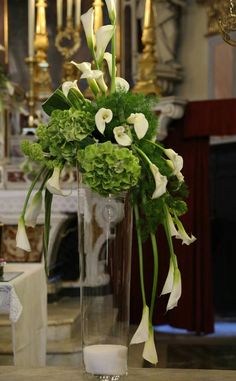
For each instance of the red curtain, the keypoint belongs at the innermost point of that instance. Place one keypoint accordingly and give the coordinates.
(190, 138)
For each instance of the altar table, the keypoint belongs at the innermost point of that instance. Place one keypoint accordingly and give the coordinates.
(29, 331)
(8, 373)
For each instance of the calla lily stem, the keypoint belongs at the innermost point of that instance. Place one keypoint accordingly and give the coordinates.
(168, 235)
(31, 189)
(113, 72)
(140, 251)
(155, 275)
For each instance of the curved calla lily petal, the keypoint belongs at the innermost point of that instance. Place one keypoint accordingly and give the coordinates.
(182, 234)
(87, 20)
(111, 7)
(140, 124)
(121, 137)
(149, 351)
(176, 290)
(171, 225)
(108, 58)
(98, 76)
(66, 86)
(102, 117)
(121, 85)
(142, 332)
(168, 286)
(21, 237)
(34, 209)
(53, 184)
(176, 163)
(160, 181)
(83, 66)
(103, 37)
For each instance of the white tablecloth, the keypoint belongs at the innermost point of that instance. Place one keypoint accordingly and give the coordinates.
(28, 290)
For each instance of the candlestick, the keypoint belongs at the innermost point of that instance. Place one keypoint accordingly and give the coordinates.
(59, 13)
(77, 13)
(31, 22)
(69, 8)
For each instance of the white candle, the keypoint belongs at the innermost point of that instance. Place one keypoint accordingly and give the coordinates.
(59, 13)
(31, 23)
(69, 8)
(106, 359)
(77, 13)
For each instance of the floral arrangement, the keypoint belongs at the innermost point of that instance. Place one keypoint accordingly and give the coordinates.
(112, 138)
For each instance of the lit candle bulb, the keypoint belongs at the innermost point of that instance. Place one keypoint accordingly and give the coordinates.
(69, 8)
(77, 13)
(59, 13)
(31, 24)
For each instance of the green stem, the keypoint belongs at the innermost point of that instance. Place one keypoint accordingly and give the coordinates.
(48, 204)
(155, 275)
(167, 231)
(155, 144)
(31, 189)
(140, 252)
(113, 68)
(142, 154)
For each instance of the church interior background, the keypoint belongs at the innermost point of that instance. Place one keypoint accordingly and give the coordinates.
(190, 64)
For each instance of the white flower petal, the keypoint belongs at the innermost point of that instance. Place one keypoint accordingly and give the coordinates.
(182, 234)
(149, 351)
(121, 85)
(142, 332)
(34, 209)
(140, 124)
(168, 286)
(66, 86)
(103, 37)
(21, 237)
(103, 116)
(171, 225)
(111, 7)
(108, 57)
(121, 137)
(53, 184)
(160, 181)
(83, 66)
(87, 20)
(176, 163)
(176, 290)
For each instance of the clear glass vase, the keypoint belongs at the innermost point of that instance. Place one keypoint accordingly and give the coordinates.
(105, 238)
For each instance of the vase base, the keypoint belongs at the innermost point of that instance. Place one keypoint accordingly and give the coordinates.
(103, 377)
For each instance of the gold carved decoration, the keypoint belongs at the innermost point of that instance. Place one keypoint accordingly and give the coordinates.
(147, 72)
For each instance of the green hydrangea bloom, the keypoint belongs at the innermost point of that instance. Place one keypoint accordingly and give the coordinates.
(108, 168)
(32, 150)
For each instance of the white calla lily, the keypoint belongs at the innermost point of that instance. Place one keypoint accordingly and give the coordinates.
(182, 234)
(121, 85)
(87, 20)
(176, 290)
(88, 73)
(121, 137)
(83, 66)
(111, 7)
(160, 181)
(102, 117)
(22, 241)
(98, 76)
(66, 86)
(140, 124)
(171, 225)
(53, 183)
(34, 209)
(103, 37)
(108, 58)
(142, 332)
(176, 162)
(168, 286)
(149, 351)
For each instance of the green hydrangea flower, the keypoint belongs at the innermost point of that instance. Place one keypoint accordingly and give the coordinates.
(108, 168)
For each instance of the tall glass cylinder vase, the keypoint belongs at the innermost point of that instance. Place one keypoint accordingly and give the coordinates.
(105, 239)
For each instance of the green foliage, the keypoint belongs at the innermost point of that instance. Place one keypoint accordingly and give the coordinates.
(108, 168)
